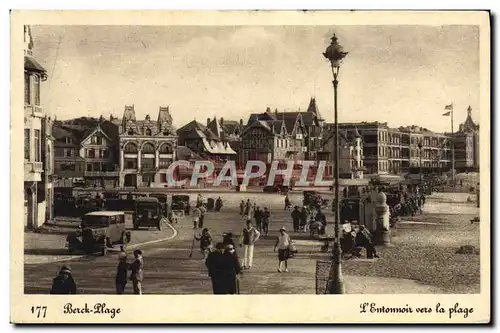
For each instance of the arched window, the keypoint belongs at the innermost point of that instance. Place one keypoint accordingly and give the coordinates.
(166, 148)
(130, 131)
(148, 148)
(148, 132)
(130, 147)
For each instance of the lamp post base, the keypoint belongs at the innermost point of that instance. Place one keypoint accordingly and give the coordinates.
(337, 287)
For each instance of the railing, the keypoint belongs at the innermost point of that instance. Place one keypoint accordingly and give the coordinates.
(34, 110)
(101, 173)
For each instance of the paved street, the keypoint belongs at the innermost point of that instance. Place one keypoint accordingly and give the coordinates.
(406, 267)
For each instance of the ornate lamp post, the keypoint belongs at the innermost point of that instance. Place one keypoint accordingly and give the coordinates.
(420, 160)
(335, 53)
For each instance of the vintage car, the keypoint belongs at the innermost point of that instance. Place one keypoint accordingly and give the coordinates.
(276, 189)
(180, 203)
(148, 213)
(98, 232)
(163, 200)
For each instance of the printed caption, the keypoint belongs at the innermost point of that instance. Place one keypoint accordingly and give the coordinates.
(451, 312)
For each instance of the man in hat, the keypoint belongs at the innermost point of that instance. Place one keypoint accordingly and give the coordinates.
(137, 272)
(232, 269)
(214, 263)
(249, 236)
(265, 217)
(283, 243)
(63, 283)
(121, 273)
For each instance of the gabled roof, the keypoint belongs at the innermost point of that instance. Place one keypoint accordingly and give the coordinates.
(184, 153)
(192, 125)
(91, 132)
(215, 127)
(313, 108)
(30, 64)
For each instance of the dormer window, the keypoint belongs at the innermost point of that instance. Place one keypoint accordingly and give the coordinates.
(69, 140)
(130, 131)
(148, 132)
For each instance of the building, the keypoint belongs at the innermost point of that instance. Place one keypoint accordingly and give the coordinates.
(270, 137)
(350, 154)
(389, 150)
(467, 144)
(38, 191)
(212, 142)
(146, 148)
(86, 153)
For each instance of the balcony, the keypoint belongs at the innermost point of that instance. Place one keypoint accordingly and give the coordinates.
(34, 110)
(34, 167)
(101, 174)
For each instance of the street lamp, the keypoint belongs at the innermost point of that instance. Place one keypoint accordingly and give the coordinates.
(335, 53)
(420, 160)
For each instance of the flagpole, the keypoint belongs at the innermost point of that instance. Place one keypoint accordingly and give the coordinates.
(452, 149)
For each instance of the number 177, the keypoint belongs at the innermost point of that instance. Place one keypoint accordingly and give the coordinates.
(39, 311)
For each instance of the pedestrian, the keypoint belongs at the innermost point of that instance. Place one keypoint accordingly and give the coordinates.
(137, 273)
(249, 236)
(282, 243)
(218, 204)
(287, 202)
(196, 217)
(242, 207)
(203, 210)
(233, 270)
(303, 218)
(227, 239)
(199, 200)
(205, 240)
(121, 273)
(248, 207)
(63, 283)
(266, 219)
(258, 218)
(296, 215)
(365, 239)
(214, 263)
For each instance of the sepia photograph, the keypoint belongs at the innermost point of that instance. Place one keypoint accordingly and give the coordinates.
(296, 155)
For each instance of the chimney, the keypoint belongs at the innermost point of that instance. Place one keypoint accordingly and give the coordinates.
(221, 121)
(208, 121)
(111, 117)
(241, 122)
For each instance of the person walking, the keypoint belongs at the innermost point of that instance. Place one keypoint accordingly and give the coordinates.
(137, 273)
(233, 270)
(283, 244)
(63, 283)
(265, 219)
(296, 216)
(205, 240)
(203, 210)
(242, 208)
(258, 218)
(196, 217)
(248, 207)
(288, 204)
(215, 263)
(249, 236)
(303, 218)
(121, 273)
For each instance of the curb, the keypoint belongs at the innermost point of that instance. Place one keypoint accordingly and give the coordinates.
(128, 247)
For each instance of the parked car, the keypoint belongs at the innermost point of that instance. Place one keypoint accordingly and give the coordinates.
(148, 213)
(98, 232)
(180, 203)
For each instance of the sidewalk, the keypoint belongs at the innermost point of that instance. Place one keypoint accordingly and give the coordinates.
(49, 245)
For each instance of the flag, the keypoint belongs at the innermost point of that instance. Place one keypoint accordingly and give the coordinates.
(447, 113)
(449, 107)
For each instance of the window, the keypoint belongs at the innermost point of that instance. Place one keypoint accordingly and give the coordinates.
(27, 90)
(38, 146)
(112, 220)
(69, 140)
(131, 148)
(148, 163)
(166, 149)
(36, 89)
(130, 131)
(164, 163)
(89, 167)
(91, 153)
(27, 144)
(148, 148)
(130, 163)
(68, 152)
(98, 139)
(148, 132)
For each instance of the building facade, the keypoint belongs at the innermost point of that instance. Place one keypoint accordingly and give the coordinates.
(38, 191)
(351, 164)
(86, 153)
(146, 148)
(467, 144)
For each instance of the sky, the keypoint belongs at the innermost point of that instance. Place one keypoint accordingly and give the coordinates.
(404, 75)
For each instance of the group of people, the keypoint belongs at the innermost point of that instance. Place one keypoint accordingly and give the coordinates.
(64, 283)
